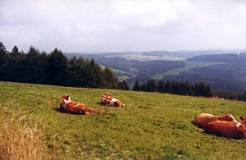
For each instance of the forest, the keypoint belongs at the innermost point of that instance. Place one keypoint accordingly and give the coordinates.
(55, 69)
(175, 87)
(229, 75)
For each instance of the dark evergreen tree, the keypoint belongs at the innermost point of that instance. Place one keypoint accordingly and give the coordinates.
(151, 86)
(202, 89)
(3, 50)
(209, 92)
(16, 65)
(3, 62)
(32, 71)
(243, 96)
(57, 68)
(161, 86)
(110, 78)
(173, 87)
(136, 86)
(189, 89)
(99, 78)
(76, 69)
(167, 87)
(93, 74)
(15, 51)
(143, 87)
(123, 85)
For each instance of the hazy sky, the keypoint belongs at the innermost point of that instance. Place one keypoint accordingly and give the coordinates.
(120, 25)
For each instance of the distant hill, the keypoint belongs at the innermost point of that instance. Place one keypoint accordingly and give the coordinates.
(223, 70)
(228, 76)
(159, 53)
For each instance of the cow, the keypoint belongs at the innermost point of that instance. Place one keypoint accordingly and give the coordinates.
(203, 119)
(73, 107)
(236, 130)
(107, 100)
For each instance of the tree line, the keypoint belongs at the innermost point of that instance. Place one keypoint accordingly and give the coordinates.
(185, 88)
(174, 87)
(55, 69)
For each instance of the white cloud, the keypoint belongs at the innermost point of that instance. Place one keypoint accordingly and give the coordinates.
(106, 25)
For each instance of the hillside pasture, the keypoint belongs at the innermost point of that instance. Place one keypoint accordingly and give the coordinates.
(143, 57)
(150, 126)
(188, 65)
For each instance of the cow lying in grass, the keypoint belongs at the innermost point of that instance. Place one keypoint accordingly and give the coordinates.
(73, 107)
(203, 119)
(227, 129)
(107, 100)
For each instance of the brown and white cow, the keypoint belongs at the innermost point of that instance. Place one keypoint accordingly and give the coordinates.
(203, 119)
(107, 100)
(73, 107)
(234, 130)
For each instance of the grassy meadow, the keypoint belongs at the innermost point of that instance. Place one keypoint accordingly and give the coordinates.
(149, 126)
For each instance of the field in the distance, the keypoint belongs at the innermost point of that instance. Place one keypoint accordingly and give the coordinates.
(141, 57)
(150, 126)
(188, 66)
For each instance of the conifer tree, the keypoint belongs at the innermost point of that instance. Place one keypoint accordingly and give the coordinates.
(110, 78)
(124, 85)
(3, 62)
(161, 86)
(94, 75)
(151, 86)
(136, 86)
(57, 68)
(168, 87)
(76, 72)
(16, 67)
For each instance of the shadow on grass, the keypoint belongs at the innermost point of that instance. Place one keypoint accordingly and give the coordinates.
(58, 110)
(194, 123)
(89, 112)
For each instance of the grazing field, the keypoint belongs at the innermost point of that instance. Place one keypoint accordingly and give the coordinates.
(188, 65)
(150, 126)
(141, 57)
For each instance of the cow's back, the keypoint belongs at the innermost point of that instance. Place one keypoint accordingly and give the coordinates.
(203, 119)
(109, 101)
(224, 129)
(75, 108)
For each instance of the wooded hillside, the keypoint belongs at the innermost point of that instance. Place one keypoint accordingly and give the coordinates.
(54, 68)
(229, 76)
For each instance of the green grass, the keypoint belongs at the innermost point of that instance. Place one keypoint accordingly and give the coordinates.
(150, 126)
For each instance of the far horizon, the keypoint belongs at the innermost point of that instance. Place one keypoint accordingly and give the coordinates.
(132, 51)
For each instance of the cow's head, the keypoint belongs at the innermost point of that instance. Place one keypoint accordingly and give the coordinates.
(66, 97)
(243, 120)
(107, 94)
(228, 117)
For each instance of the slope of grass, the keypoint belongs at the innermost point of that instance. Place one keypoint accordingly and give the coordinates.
(150, 126)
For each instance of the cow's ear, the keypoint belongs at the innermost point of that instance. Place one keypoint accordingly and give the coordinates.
(241, 117)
